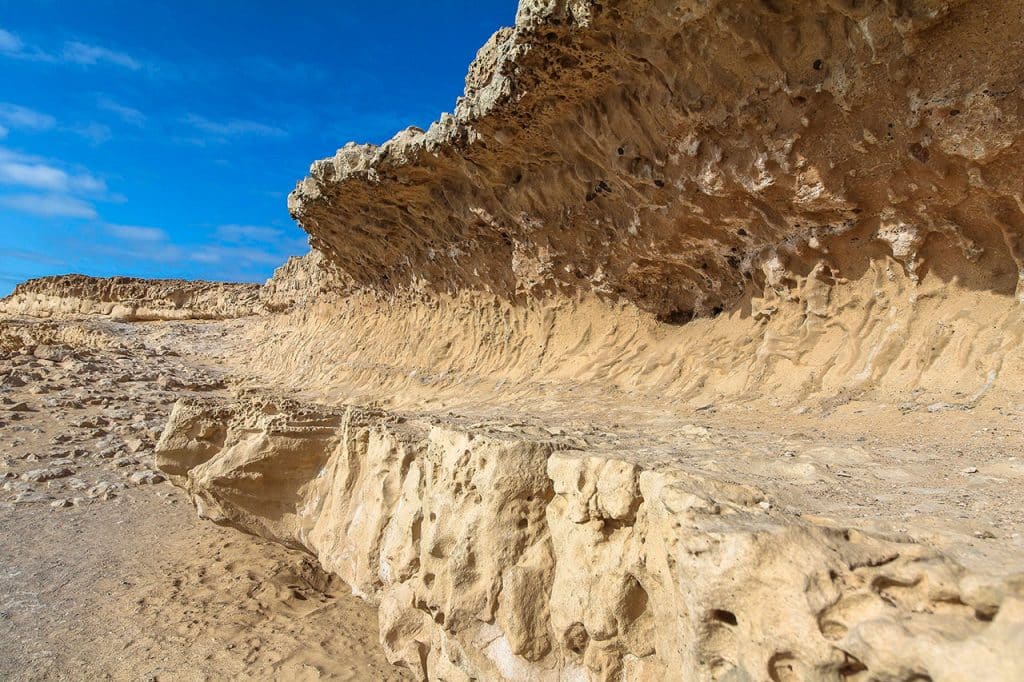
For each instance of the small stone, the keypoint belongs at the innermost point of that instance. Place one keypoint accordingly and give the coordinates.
(104, 490)
(970, 470)
(30, 497)
(42, 475)
(146, 478)
(60, 504)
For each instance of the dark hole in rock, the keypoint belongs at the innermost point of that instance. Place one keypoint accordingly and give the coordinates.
(723, 616)
(919, 152)
(818, 64)
(678, 317)
(577, 638)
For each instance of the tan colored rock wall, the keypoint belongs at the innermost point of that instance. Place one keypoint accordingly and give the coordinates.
(298, 283)
(497, 556)
(129, 299)
(881, 338)
(682, 155)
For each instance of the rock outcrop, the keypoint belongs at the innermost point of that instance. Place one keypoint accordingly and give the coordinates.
(685, 156)
(131, 300)
(499, 556)
(655, 209)
(299, 283)
(815, 200)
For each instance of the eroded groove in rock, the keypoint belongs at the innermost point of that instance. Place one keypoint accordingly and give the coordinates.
(493, 556)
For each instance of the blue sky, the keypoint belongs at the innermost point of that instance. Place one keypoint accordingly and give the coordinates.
(161, 138)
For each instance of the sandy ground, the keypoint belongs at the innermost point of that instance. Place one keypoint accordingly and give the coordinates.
(107, 573)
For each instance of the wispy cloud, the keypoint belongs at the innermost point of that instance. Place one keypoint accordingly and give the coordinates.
(233, 128)
(248, 233)
(73, 52)
(208, 260)
(19, 117)
(90, 55)
(135, 233)
(55, 188)
(12, 46)
(48, 205)
(9, 43)
(238, 257)
(30, 256)
(125, 113)
(97, 133)
(3, 132)
(22, 170)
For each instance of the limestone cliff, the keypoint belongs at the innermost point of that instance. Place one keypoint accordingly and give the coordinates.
(639, 212)
(686, 155)
(821, 199)
(130, 299)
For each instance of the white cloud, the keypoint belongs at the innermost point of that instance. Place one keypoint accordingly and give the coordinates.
(16, 116)
(36, 176)
(90, 55)
(248, 233)
(12, 46)
(48, 205)
(235, 256)
(127, 114)
(233, 127)
(135, 233)
(74, 52)
(10, 43)
(97, 133)
(21, 170)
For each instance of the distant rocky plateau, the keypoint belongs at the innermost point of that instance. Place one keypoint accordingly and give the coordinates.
(689, 347)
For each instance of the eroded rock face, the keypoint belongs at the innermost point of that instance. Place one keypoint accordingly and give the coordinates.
(298, 283)
(718, 205)
(496, 556)
(685, 156)
(129, 299)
